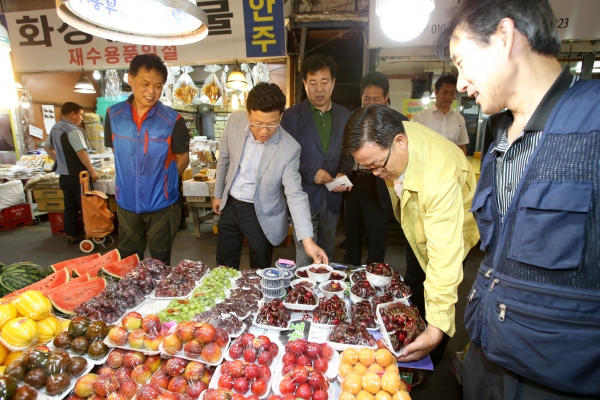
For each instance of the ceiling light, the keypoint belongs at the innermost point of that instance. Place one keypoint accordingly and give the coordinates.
(96, 75)
(236, 79)
(84, 85)
(145, 22)
(8, 92)
(426, 97)
(403, 20)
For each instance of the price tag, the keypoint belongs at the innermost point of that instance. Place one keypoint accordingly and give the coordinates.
(36, 132)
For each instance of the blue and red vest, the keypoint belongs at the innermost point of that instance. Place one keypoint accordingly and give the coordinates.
(535, 305)
(145, 165)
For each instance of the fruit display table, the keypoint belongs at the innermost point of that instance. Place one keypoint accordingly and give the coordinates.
(196, 205)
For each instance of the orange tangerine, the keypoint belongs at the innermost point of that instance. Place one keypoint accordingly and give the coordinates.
(384, 357)
(350, 356)
(364, 395)
(382, 395)
(345, 369)
(366, 356)
(371, 382)
(392, 368)
(360, 368)
(391, 382)
(401, 395)
(347, 396)
(376, 368)
(352, 383)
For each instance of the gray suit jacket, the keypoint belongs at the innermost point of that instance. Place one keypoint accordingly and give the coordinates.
(278, 180)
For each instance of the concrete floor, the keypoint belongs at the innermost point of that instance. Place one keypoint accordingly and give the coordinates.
(37, 244)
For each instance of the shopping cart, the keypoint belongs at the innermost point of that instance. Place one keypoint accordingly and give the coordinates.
(97, 217)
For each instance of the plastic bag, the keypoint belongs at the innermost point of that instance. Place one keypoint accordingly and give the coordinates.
(112, 85)
(194, 269)
(212, 87)
(262, 73)
(246, 68)
(303, 382)
(11, 194)
(183, 376)
(219, 317)
(330, 311)
(224, 85)
(167, 94)
(362, 312)
(352, 333)
(311, 354)
(184, 89)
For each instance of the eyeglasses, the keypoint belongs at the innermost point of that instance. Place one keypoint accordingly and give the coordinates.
(382, 168)
(261, 127)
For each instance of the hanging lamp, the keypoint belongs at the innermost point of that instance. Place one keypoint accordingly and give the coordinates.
(236, 79)
(403, 20)
(84, 85)
(143, 22)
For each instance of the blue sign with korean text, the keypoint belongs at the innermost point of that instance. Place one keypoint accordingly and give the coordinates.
(265, 34)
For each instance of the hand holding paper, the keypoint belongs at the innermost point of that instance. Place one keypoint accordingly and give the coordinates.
(339, 181)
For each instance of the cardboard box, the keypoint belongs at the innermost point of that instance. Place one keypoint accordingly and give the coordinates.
(51, 205)
(43, 194)
(192, 188)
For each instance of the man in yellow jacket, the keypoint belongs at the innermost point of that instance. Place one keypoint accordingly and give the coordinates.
(431, 185)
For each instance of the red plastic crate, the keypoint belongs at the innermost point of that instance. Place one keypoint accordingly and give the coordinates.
(15, 217)
(57, 223)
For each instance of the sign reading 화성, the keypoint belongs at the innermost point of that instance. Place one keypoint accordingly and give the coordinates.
(41, 41)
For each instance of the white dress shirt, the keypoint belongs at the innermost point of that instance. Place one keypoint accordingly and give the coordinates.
(244, 183)
(451, 125)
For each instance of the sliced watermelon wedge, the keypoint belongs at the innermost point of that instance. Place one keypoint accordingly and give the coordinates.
(120, 268)
(66, 300)
(72, 282)
(51, 281)
(73, 263)
(92, 267)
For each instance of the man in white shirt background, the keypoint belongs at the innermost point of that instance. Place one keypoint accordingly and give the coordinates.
(440, 118)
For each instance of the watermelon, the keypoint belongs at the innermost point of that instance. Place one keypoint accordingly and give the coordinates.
(92, 267)
(120, 268)
(73, 263)
(51, 281)
(72, 282)
(70, 297)
(19, 275)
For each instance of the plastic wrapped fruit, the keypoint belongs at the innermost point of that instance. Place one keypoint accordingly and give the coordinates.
(304, 383)
(231, 323)
(301, 295)
(330, 311)
(380, 269)
(363, 289)
(402, 323)
(362, 313)
(310, 354)
(273, 313)
(20, 332)
(250, 348)
(384, 298)
(352, 333)
(398, 289)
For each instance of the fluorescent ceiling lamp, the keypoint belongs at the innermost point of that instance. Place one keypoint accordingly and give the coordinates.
(8, 92)
(84, 85)
(144, 22)
(403, 20)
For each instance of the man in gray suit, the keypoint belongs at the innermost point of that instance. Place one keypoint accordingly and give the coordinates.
(257, 179)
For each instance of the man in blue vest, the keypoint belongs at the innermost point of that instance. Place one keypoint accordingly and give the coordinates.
(533, 313)
(151, 143)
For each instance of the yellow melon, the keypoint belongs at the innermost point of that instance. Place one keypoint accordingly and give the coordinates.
(8, 311)
(20, 332)
(48, 328)
(3, 353)
(33, 304)
(12, 356)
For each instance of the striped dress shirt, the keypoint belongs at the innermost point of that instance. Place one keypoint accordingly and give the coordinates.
(244, 183)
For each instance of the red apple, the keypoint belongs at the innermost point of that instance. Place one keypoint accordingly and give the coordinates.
(192, 349)
(273, 349)
(321, 364)
(194, 371)
(327, 351)
(289, 358)
(313, 351)
(178, 385)
(211, 353)
(185, 330)
(205, 333)
(105, 370)
(241, 385)
(236, 351)
(262, 343)
(207, 376)
(251, 372)
(222, 337)
(287, 385)
(252, 397)
(84, 387)
(153, 362)
(115, 359)
(250, 355)
(265, 358)
(320, 395)
(195, 388)
(151, 324)
(123, 373)
(165, 395)
(297, 347)
(105, 385)
(116, 396)
(172, 344)
(136, 339)
(265, 372)
(303, 360)
(304, 391)
(300, 374)
(287, 368)
(225, 381)
(141, 374)
(132, 320)
(96, 397)
(259, 387)
(161, 379)
(128, 388)
(149, 392)
(118, 336)
(316, 380)
(133, 358)
(152, 342)
(175, 366)
(289, 397)
(246, 339)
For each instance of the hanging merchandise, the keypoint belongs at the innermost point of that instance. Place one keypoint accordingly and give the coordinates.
(185, 90)
(112, 85)
(255, 74)
(246, 68)
(212, 87)
(262, 72)
(223, 80)
(167, 94)
(26, 117)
